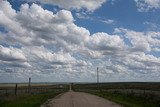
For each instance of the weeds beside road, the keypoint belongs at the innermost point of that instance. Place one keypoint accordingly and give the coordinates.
(35, 97)
(27, 100)
(130, 99)
(126, 94)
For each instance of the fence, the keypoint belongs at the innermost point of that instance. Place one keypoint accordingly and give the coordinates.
(32, 89)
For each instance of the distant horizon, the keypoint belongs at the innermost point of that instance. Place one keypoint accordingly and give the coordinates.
(81, 82)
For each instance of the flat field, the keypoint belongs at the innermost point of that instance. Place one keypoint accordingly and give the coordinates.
(128, 94)
(25, 96)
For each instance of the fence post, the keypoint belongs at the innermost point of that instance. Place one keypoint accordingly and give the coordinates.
(6, 92)
(144, 92)
(16, 90)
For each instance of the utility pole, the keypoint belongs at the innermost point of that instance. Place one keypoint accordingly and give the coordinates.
(97, 76)
(97, 79)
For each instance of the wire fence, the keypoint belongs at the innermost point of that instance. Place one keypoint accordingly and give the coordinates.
(32, 89)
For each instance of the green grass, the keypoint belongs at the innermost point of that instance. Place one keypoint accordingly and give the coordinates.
(127, 99)
(26, 100)
(130, 100)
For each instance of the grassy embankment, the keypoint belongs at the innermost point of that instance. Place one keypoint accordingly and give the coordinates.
(130, 100)
(126, 98)
(39, 93)
(27, 100)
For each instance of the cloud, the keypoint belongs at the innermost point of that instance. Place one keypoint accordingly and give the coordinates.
(7, 9)
(87, 16)
(11, 54)
(43, 54)
(16, 64)
(105, 42)
(83, 15)
(90, 5)
(46, 43)
(139, 41)
(137, 60)
(12, 57)
(109, 21)
(44, 24)
(146, 5)
(152, 26)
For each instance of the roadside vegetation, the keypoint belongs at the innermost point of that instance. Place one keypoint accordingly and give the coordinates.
(12, 95)
(126, 94)
(130, 99)
(26, 100)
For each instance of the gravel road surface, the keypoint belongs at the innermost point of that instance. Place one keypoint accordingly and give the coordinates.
(79, 99)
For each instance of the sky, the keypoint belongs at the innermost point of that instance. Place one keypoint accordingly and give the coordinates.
(66, 40)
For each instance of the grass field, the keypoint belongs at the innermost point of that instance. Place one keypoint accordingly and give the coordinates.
(131, 100)
(27, 100)
(38, 94)
(22, 88)
(126, 94)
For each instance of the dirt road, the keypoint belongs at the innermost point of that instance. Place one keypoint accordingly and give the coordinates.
(79, 99)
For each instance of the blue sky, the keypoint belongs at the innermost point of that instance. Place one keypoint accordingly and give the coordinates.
(125, 15)
(57, 41)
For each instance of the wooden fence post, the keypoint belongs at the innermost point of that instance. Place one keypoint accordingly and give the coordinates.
(6, 92)
(16, 89)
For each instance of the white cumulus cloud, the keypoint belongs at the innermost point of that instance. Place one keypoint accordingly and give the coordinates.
(90, 5)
